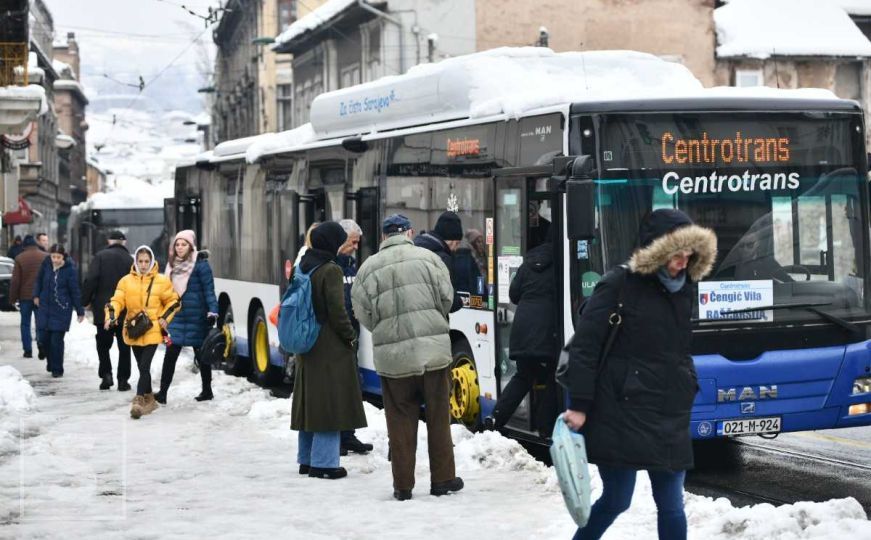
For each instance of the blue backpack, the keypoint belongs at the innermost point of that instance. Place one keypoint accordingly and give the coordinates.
(298, 328)
(569, 455)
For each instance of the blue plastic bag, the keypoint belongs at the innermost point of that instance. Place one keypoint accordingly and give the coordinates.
(569, 455)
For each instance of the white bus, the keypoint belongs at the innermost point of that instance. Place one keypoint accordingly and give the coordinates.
(498, 137)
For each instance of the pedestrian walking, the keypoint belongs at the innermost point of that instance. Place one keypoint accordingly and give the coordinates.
(24, 274)
(443, 240)
(193, 281)
(403, 295)
(634, 404)
(16, 248)
(109, 265)
(348, 264)
(42, 241)
(147, 299)
(533, 345)
(326, 388)
(57, 294)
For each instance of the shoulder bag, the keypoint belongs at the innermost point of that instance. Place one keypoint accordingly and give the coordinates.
(140, 323)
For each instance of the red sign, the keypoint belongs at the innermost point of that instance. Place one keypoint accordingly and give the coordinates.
(21, 216)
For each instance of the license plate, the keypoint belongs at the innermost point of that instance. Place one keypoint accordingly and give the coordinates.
(749, 426)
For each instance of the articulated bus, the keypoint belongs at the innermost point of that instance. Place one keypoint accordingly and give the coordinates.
(781, 326)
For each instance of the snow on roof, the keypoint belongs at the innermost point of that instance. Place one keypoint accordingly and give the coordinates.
(316, 18)
(130, 192)
(763, 28)
(237, 146)
(68, 84)
(273, 142)
(853, 7)
(61, 66)
(24, 93)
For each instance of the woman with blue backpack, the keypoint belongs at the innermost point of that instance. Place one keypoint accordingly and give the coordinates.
(326, 393)
(192, 280)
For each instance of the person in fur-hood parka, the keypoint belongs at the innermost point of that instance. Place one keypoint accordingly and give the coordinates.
(633, 405)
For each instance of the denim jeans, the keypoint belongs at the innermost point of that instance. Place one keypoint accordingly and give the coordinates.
(318, 449)
(55, 351)
(618, 486)
(27, 314)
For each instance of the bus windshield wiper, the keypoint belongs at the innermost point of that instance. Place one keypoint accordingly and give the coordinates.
(807, 306)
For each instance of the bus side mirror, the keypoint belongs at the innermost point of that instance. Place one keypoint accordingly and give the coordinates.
(581, 200)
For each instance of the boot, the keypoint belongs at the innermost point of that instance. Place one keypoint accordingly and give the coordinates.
(327, 474)
(150, 404)
(353, 444)
(402, 494)
(123, 386)
(443, 488)
(205, 395)
(40, 352)
(136, 407)
(160, 397)
(107, 382)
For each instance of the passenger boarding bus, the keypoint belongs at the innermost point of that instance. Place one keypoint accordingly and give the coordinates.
(781, 326)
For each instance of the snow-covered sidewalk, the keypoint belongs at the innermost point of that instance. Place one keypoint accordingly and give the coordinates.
(74, 465)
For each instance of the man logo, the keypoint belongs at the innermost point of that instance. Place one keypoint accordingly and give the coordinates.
(703, 298)
(748, 407)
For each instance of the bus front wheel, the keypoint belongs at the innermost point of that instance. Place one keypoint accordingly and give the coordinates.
(465, 390)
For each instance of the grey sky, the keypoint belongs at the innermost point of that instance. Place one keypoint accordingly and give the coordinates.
(128, 38)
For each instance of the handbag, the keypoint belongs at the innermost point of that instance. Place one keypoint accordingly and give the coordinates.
(569, 455)
(615, 320)
(140, 323)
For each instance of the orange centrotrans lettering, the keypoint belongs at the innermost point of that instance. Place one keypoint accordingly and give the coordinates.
(737, 149)
(465, 147)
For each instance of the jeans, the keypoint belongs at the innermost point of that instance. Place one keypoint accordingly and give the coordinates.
(318, 449)
(617, 489)
(143, 361)
(55, 351)
(105, 338)
(27, 313)
(168, 372)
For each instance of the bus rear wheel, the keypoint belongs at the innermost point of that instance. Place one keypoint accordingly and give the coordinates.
(262, 371)
(465, 391)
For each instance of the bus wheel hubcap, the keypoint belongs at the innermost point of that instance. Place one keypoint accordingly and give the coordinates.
(262, 348)
(464, 393)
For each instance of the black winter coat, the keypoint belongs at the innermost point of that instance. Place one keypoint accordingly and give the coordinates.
(438, 246)
(533, 290)
(641, 400)
(464, 273)
(110, 264)
(58, 293)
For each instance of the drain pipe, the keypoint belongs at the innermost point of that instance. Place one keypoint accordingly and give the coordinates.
(378, 13)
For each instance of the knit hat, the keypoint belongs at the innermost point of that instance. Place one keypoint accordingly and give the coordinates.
(117, 235)
(188, 236)
(29, 240)
(449, 226)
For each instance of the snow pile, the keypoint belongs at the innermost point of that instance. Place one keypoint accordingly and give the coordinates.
(853, 7)
(26, 93)
(316, 18)
(274, 142)
(763, 28)
(130, 192)
(16, 397)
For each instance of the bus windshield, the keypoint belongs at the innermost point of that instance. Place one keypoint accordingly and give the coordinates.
(783, 192)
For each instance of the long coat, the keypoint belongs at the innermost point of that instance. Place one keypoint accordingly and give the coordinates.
(110, 264)
(326, 389)
(402, 295)
(132, 294)
(25, 272)
(189, 327)
(638, 401)
(533, 290)
(58, 293)
(430, 241)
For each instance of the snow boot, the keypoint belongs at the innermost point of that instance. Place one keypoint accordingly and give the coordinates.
(205, 395)
(402, 494)
(28, 354)
(353, 444)
(107, 382)
(329, 474)
(40, 352)
(160, 397)
(443, 488)
(136, 407)
(123, 386)
(150, 404)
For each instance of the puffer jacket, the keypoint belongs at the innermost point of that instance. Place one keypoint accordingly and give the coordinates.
(131, 294)
(533, 291)
(190, 326)
(638, 401)
(58, 293)
(403, 295)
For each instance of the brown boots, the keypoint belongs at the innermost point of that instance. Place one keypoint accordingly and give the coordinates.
(143, 405)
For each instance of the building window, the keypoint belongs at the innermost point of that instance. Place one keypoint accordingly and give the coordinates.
(373, 56)
(286, 14)
(749, 77)
(285, 106)
(350, 76)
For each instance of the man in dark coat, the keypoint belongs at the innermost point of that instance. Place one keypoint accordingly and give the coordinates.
(109, 265)
(534, 344)
(348, 264)
(443, 240)
(15, 248)
(634, 408)
(24, 274)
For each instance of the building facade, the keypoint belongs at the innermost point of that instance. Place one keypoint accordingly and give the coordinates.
(70, 104)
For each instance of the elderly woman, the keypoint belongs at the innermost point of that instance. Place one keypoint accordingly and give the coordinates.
(326, 391)
(634, 404)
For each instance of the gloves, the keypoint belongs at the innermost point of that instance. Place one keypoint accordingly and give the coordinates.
(212, 319)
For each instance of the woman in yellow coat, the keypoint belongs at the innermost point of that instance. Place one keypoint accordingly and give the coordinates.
(144, 289)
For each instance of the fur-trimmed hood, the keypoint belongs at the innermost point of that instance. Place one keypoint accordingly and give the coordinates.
(702, 241)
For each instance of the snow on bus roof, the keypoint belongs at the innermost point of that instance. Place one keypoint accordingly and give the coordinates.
(854, 7)
(130, 192)
(272, 142)
(763, 28)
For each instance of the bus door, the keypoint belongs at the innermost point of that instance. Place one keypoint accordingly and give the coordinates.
(188, 215)
(525, 211)
(363, 208)
(312, 208)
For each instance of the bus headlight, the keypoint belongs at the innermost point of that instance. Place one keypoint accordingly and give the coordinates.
(862, 385)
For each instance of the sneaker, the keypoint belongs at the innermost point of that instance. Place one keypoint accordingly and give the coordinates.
(327, 474)
(28, 354)
(205, 396)
(402, 494)
(304, 469)
(443, 488)
(107, 383)
(160, 397)
(123, 386)
(353, 444)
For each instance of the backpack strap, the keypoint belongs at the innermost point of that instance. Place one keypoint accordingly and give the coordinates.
(615, 319)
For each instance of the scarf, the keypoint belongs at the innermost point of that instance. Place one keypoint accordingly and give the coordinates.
(672, 284)
(180, 270)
